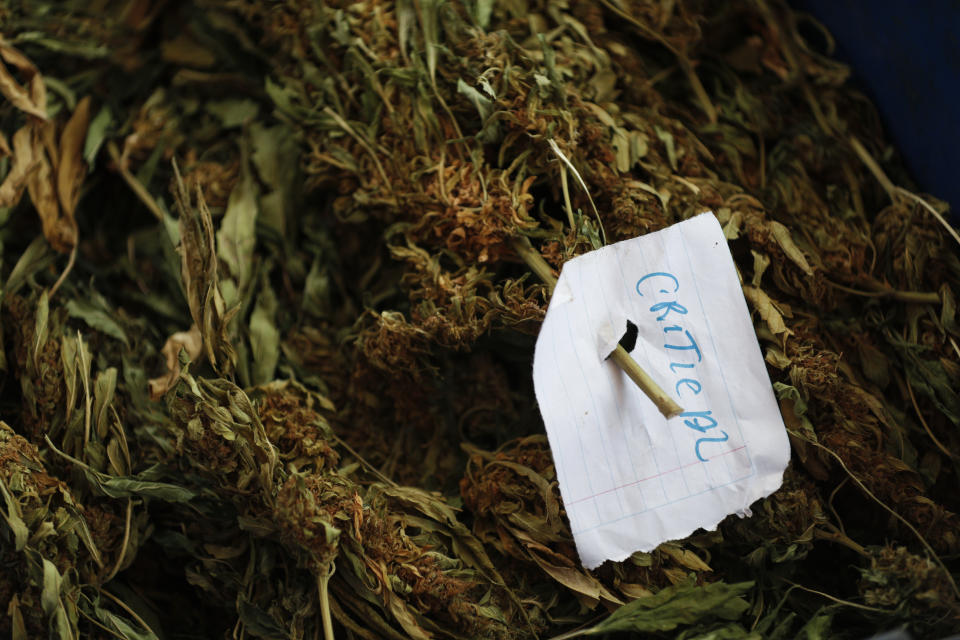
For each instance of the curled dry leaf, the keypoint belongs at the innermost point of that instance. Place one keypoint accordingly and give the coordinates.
(31, 99)
(40, 185)
(782, 235)
(52, 173)
(71, 169)
(191, 342)
(201, 282)
(24, 162)
(767, 309)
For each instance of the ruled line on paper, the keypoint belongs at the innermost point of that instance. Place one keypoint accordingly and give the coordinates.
(654, 476)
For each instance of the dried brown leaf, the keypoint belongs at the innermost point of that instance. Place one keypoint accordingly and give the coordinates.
(71, 169)
(31, 99)
(589, 589)
(201, 280)
(59, 231)
(684, 557)
(782, 235)
(24, 163)
(190, 341)
(767, 309)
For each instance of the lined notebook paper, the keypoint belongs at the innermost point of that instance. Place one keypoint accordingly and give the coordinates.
(631, 479)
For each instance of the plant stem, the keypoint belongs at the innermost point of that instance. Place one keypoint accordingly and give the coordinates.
(880, 291)
(535, 261)
(323, 583)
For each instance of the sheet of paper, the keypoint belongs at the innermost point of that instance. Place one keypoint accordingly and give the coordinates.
(631, 479)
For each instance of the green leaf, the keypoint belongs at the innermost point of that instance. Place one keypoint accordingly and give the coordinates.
(275, 154)
(818, 627)
(68, 358)
(490, 131)
(730, 631)
(126, 486)
(482, 10)
(96, 134)
(259, 622)
(783, 237)
(50, 596)
(13, 518)
(124, 627)
(316, 290)
(60, 45)
(37, 257)
(122, 487)
(429, 14)
(875, 365)
(669, 608)
(233, 113)
(103, 391)
(264, 336)
(669, 144)
(948, 313)
(236, 238)
(928, 377)
(282, 94)
(96, 317)
(40, 326)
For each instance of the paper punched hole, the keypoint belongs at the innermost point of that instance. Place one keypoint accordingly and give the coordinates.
(629, 339)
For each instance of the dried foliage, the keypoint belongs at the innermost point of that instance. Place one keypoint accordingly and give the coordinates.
(269, 307)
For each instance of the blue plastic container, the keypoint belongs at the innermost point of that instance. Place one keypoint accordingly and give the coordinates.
(907, 57)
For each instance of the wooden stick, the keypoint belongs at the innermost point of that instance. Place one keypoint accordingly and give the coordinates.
(620, 356)
(651, 389)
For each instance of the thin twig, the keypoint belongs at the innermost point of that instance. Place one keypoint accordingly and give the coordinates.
(535, 261)
(833, 494)
(363, 143)
(363, 461)
(576, 174)
(840, 538)
(918, 297)
(100, 624)
(125, 607)
(66, 272)
(893, 191)
(580, 630)
(834, 598)
(936, 214)
(874, 168)
(863, 487)
(685, 64)
(916, 407)
(126, 541)
(138, 189)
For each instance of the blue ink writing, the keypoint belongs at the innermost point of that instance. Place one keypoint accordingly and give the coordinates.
(669, 306)
(693, 385)
(676, 283)
(702, 440)
(692, 345)
(682, 347)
